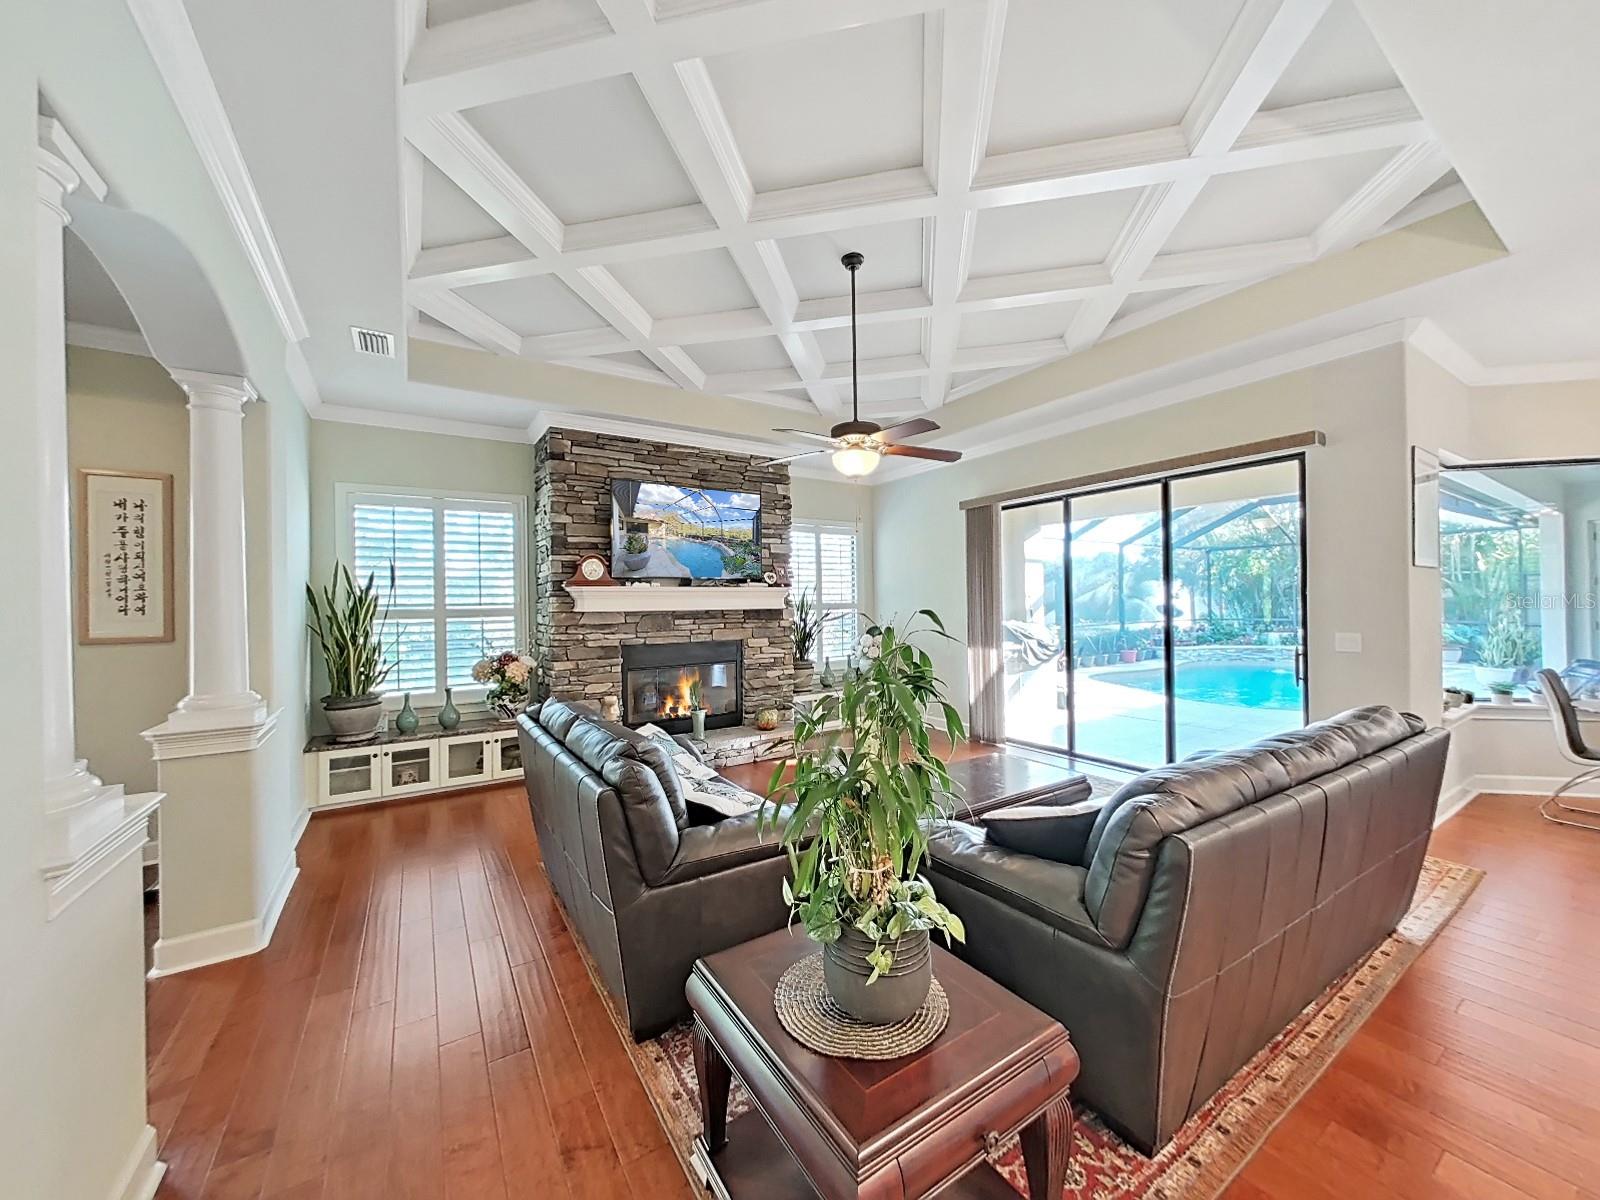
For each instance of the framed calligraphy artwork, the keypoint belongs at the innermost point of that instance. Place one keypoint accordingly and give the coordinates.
(124, 557)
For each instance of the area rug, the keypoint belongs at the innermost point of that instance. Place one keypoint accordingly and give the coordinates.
(1218, 1140)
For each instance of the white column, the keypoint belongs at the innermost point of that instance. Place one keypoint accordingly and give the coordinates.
(80, 808)
(219, 642)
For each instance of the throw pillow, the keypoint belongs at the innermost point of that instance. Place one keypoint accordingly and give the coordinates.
(717, 798)
(1057, 832)
(690, 766)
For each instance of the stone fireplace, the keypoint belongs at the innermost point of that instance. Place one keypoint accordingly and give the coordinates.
(583, 652)
(658, 682)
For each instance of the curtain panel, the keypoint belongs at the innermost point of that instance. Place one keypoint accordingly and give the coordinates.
(985, 680)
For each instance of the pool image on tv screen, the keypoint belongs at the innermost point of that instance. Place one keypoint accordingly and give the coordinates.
(667, 531)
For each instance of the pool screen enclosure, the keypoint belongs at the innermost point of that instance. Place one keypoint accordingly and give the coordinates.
(1145, 622)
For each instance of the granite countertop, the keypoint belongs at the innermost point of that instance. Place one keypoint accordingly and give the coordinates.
(427, 731)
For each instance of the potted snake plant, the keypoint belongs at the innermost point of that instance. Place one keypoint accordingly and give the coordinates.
(855, 826)
(344, 620)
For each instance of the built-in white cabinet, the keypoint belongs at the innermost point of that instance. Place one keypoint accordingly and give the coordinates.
(411, 766)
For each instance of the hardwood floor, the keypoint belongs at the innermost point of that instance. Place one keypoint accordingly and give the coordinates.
(422, 1026)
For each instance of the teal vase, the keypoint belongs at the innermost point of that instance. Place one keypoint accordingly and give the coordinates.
(405, 721)
(449, 715)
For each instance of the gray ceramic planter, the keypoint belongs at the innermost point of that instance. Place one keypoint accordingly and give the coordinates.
(894, 996)
(353, 718)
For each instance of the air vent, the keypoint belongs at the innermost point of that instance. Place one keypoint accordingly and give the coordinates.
(373, 341)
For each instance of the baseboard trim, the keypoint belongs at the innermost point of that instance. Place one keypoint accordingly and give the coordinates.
(1463, 794)
(300, 824)
(242, 938)
(142, 1176)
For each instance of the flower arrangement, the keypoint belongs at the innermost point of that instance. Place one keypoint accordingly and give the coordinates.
(857, 807)
(512, 676)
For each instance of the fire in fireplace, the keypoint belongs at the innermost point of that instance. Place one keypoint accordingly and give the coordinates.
(657, 682)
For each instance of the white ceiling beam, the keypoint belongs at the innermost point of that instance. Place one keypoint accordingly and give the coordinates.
(1265, 37)
(1348, 125)
(1259, 47)
(1396, 184)
(466, 319)
(520, 51)
(961, 65)
(686, 105)
(990, 293)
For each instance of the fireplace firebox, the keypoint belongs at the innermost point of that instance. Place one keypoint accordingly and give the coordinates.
(657, 680)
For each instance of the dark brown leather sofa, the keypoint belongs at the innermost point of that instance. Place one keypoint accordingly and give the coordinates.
(1213, 901)
(647, 888)
(648, 891)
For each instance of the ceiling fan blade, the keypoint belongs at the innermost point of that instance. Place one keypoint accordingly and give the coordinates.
(937, 455)
(806, 433)
(775, 462)
(907, 429)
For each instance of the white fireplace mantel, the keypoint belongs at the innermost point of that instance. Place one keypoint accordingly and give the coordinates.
(676, 599)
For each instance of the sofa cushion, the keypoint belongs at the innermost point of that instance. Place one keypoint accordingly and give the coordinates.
(1048, 891)
(1057, 832)
(556, 717)
(633, 767)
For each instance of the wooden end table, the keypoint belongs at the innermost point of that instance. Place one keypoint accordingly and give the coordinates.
(841, 1128)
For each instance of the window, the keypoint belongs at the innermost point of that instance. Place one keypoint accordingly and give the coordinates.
(1519, 572)
(822, 561)
(449, 571)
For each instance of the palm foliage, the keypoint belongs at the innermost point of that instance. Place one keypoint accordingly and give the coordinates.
(809, 618)
(343, 620)
(867, 800)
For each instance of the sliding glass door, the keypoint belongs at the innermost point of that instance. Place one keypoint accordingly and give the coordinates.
(1145, 623)
(1236, 590)
(1118, 549)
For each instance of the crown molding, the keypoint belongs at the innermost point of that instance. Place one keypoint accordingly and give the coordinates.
(1429, 339)
(344, 414)
(103, 337)
(170, 38)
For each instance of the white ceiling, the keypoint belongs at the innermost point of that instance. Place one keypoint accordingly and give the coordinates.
(666, 189)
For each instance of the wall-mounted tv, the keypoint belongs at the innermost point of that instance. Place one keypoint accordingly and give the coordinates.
(672, 531)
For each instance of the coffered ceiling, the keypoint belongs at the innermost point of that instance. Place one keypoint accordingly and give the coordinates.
(661, 189)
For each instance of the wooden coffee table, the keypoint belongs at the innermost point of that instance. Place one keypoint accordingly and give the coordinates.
(844, 1128)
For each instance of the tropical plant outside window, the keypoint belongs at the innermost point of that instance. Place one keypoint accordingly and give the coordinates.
(1517, 568)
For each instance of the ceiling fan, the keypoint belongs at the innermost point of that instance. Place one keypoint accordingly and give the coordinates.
(858, 446)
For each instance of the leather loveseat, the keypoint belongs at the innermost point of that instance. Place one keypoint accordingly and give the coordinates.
(647, 890)
(1212, 901)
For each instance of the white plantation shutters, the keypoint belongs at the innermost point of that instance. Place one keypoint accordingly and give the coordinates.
(822, 560)
(457, 582)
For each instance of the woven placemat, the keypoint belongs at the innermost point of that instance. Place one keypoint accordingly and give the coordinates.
(812, 1018)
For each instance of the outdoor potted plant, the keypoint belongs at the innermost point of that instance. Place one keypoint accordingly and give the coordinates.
(1456, 641)
(1507, 646)
(853, 819)
(1503, 693)
(1128, 647)
(635, 551)
(343, 620)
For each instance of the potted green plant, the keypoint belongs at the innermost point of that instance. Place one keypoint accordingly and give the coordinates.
(1503, 693)
(804, 633)
(697, 711)
(1508, 645)
(344, 619)
(1455, 642)
(854, 823)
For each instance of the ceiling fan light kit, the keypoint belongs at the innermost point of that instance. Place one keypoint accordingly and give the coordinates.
(859, 446)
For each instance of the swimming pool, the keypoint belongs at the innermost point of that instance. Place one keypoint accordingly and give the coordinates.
(1242, 685)
(701, 559)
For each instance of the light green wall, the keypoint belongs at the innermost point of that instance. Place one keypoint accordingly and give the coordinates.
(375, 456)
(840, 500)
(125, 413)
